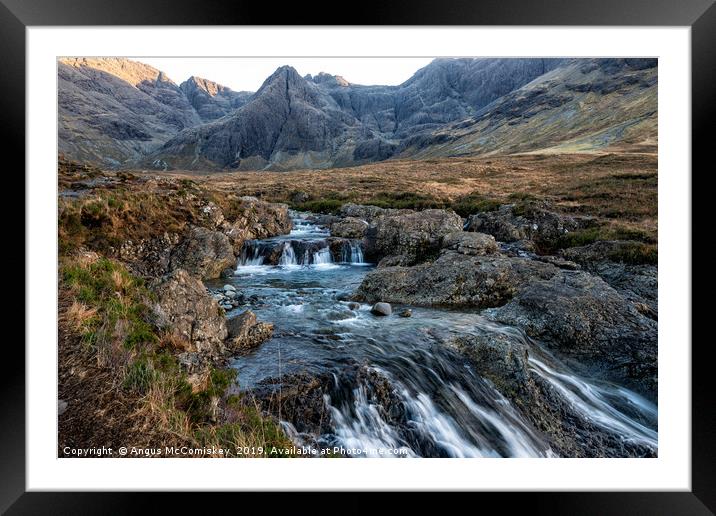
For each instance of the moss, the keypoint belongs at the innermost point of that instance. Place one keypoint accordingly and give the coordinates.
(474, 202)
(319, 206)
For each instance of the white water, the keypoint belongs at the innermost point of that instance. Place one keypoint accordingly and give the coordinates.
(446, 408)
(593, 402)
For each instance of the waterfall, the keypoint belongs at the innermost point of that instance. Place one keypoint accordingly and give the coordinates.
(288, 256)
(352, 252)
(322, 256)
(251, 254)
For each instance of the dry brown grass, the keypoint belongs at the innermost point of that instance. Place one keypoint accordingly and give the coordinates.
(619, 188)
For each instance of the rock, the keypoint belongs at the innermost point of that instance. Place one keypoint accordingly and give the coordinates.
(184, 307)
(476, 244)
(353, 305)
(300, 197)
(229, 288)
(406, 313)
(636, 282)
(253, 219)
(61, 407)
(349, 227)
(584, 318)
(414, 235)
(204, 253)
(452, 280)
(381, 309)
(150, 256)
(534, 220)
(363, 212)
(246, 332)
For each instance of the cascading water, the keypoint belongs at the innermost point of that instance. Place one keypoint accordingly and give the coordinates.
(437, 405)
(352, 252)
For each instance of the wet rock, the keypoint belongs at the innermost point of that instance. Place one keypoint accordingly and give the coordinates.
(353, 305)
(229, 288)
(476, 244)
(246, 332)
(406, 313)
(536, 221)
(381, 309)
(184, 307)
(416, 236)
(452, 280)
(204, 253)
(585, 319)
(349, 227)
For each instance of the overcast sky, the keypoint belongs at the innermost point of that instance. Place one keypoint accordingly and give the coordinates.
(247, 74)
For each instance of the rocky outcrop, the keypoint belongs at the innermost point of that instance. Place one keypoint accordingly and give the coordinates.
(212, 100)
(246, 332)
(636, 282)
(349, 227)
(476, 244)
(411, 236)
(584, 318)
(452, 280)
(185, 308)
(252, 219)
(535, 221)
(503, 359)
(204, 253)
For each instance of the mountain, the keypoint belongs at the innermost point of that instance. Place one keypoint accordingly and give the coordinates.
(114, 110)
(212, 100)
(583, 105)
(121, 113)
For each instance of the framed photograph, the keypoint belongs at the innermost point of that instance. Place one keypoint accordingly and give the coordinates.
(460, 240)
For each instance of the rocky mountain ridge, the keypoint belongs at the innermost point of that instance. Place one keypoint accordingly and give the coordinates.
(120, 113)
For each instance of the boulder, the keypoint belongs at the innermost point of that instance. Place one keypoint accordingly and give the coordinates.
(204, 253)
(452, 280)
(536, 221)
(246, 332)
(414, 235)
(587, 320)
(381, 309)
(476, 244)
(349, 227)
(407, 312)
(636, 282)
(185, 307)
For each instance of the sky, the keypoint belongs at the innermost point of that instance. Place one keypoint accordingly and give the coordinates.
(248, 73)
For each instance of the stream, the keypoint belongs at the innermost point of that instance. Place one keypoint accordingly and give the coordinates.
(301, 282)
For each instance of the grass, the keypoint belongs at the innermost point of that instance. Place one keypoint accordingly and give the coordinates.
(108, 310)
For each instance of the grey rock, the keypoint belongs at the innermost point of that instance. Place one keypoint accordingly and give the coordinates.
(535, 221)
(204, 253)
(416, 236)
(582, 317)
(381, 309)
(184, 307)
(349, 227)
(61, 407)
(452, 280)
(407, 312)
(246, 332)
(476, 244)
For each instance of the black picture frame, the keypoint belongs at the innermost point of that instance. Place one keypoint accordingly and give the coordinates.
(700, 15)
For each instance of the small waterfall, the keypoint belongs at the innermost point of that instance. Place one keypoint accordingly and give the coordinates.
(251, 254)
(288, 256)
(352, 252)
(322, 256)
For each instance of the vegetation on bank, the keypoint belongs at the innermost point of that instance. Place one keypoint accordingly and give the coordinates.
(109, 312)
